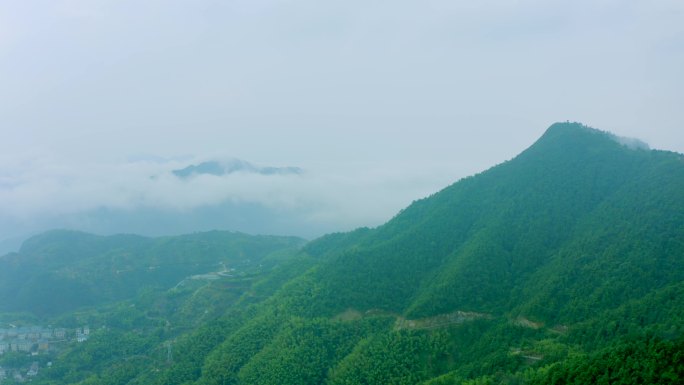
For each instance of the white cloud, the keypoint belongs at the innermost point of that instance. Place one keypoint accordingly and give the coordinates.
(343, 197)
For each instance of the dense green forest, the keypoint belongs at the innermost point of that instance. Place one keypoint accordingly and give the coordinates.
(563, 265)
(60, 271)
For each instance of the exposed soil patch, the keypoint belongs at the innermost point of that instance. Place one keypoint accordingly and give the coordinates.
(439, 321)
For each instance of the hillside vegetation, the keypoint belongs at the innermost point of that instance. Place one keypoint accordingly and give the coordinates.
(563, 265)
(61, 271)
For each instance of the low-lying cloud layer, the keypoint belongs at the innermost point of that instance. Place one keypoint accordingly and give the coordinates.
(45, 190)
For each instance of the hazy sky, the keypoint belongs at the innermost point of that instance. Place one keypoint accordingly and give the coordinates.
(382, 102)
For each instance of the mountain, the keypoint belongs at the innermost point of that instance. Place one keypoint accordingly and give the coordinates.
(10, 245)
(232, 166)
(499, 274)
(523, 236)
(563, 265)
(60, 271)
(255, 216)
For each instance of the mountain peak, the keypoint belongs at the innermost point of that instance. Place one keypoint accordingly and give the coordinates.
(574, 137)
(567, 130)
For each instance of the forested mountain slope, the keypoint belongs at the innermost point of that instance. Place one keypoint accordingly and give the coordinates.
(496, 278)
(562, 265)
(60, 271)
(575, 221)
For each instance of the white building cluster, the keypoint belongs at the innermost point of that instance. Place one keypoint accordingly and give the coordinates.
(34, 339)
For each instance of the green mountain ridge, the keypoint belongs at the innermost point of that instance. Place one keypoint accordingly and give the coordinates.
(550, 245)
(60, 271)
(477, 244)
(563, 265)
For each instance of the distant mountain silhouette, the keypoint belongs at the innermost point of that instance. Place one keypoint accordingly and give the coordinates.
(219, 168)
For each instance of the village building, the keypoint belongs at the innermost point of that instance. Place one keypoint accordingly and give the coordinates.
(19, 345)
(43, 345)
(33, 371)
(33, 333)
(80, 337)
(60, 333)
(23, 332)
(46, 334)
